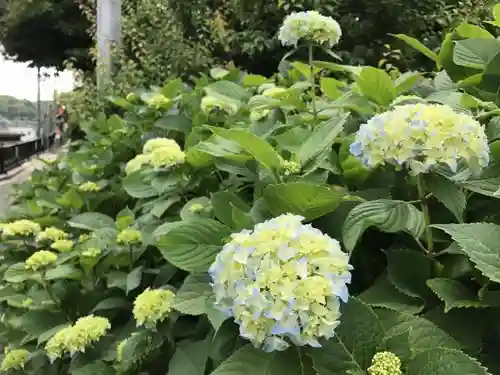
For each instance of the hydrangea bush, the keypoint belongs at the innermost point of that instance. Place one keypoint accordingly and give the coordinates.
(239, 224)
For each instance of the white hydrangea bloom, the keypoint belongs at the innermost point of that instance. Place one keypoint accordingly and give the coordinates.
(283, 281)
(421, 137)
(310, 26)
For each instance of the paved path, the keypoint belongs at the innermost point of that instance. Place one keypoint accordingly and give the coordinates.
(22, 175)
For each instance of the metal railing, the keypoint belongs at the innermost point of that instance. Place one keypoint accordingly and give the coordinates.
(13, 155)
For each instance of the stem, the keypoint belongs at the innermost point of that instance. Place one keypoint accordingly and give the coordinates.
(425, 210)
(131, 257)
(312, 80)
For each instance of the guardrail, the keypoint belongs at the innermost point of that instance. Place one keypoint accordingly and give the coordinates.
(13, 155)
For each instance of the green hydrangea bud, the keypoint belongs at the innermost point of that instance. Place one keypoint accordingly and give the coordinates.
(40, 259)
(385, 363)
(129, 236)
(14, 359)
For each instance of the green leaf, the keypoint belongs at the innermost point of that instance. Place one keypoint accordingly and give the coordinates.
(63, 271)
(138, 185)
(186, 213)
(194, 295)
(190, 358)
(410, 280)
(399, 344)
(354, 344)
(330, 87)
(134, 279)
(377, 85)
(412, 42)
(301, 198)
(94, 368)
(251, 361)
(441, 361)
(223, 203)
(17, 273)
(45, 336)
(178, 123)
(406, 81)
(125, 218)
(384, 294)
(475, 53)
(455, 294)
(193, 245)
(172, 88)
(112, 303)
(480, 242)
(467, 31)
(262, 151)
(387, 215)
(312, 150)
(254, 80)
(91, 221)
(70, 199)
(448, 193)
(229, 89)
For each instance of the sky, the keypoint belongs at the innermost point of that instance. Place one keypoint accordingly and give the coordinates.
(18, 80)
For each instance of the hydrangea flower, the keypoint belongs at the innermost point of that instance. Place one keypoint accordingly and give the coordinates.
(20, 228)
(77, 337)
(89, 186)
(40, 259)
(63, 246)
(196, 208)
(385, 363)
(168, 157)
(210, 104)
(310, 26)
(129, 236)
(136, 163)
(291, 167)
(159, 143)
(422, 137)
(152, 306)
(158, 152)
(14, 359)
(51, 234)
(159, 101)
(282, 281)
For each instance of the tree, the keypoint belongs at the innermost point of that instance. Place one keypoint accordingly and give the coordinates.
(46, 33)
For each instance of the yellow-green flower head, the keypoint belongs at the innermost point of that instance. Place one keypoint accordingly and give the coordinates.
(210, 104)
(421, 137)
(167, 157)
(14, 359)
(89, 186)
(157, 143)
(152, 306)
(86, 331)
(56, 345)
(63, 246)
(282, 281)
(40, 259)
(129, 236)
(84, 237)
(136, 163)
(310, 26)
(291, 167)
(52, 234)
(275, 92)
(385, 363)
(91, 252)
(131, 97)
(159, 101)
(196, 208)
(20, 228)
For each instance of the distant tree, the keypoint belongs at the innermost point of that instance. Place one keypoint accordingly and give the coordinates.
(46, 33)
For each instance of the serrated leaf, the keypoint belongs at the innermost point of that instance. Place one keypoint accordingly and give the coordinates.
(387, 215)
(376, 85)
(301, 198)
(190, 358)
(251, 361)
(383, 294)
(229, 89)
(475, 52)
(194, 295)
(112, 303)
(138, 185)
(193, 245)
(223, 203)
(398, 344)
(354, 344)
(91, 221)
(441, 361)
(63, 271)
(448, 193)
(262, 151)
(455, 294)
(480, 242)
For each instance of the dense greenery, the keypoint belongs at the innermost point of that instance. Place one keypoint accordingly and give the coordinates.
(130, 221)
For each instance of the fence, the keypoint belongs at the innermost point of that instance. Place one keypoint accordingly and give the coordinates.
(12, 156)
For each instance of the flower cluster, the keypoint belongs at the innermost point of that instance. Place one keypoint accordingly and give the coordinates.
(159, 101)
(196, 208)
(129, 236)
(152, 306)
(283, 280)
(385, 363)
(212, 104)
(63, 246)
(40, 259)
(310, 26)
(291, 167)
(77, 337)
(158, 152)
(14, 359)
(52, 234)
(422, 137)
(89, 187)
(20, 228)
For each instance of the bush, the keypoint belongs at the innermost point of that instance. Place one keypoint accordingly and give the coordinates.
(258, 198)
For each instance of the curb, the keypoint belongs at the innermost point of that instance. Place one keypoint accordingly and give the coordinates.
(12, 173)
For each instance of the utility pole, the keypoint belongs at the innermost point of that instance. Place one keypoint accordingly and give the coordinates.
(38, 104)
(108, 36)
